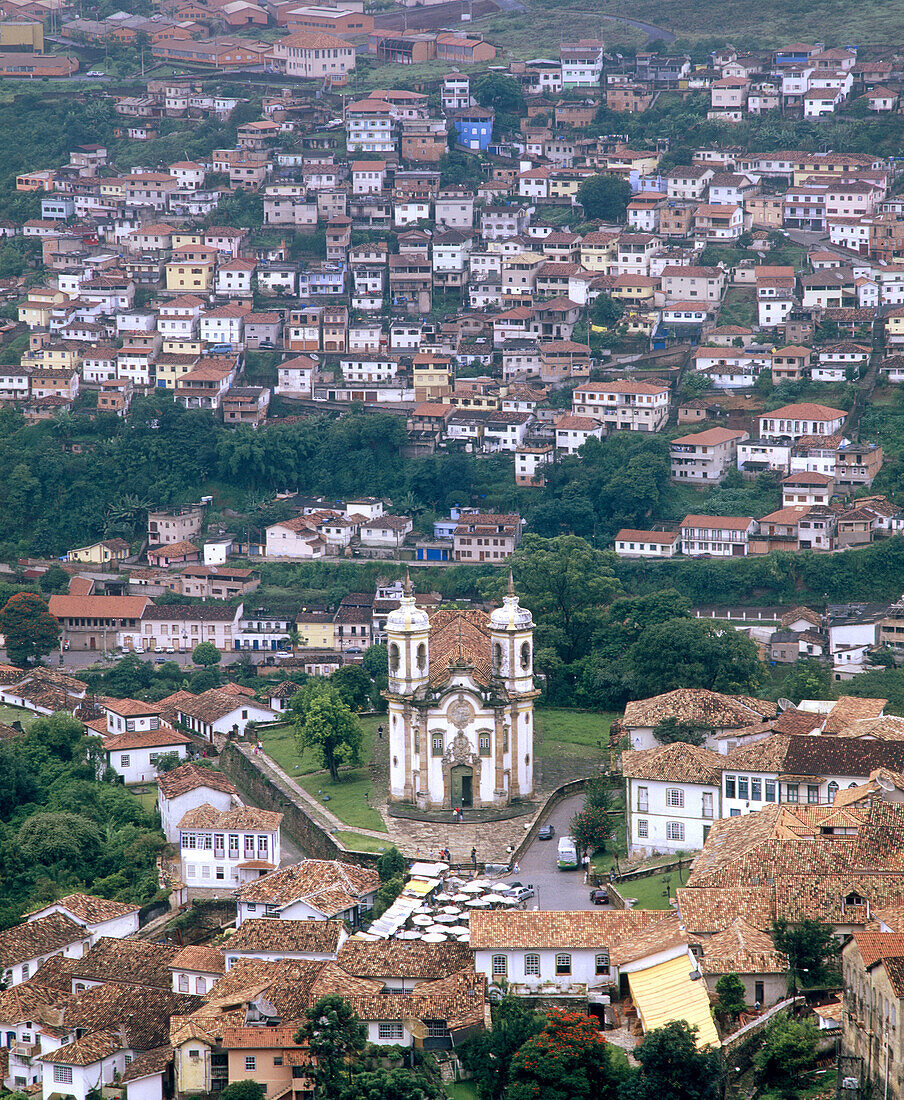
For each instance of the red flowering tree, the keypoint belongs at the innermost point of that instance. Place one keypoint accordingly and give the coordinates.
(591, 828)
(568, 1060)
(29, 628)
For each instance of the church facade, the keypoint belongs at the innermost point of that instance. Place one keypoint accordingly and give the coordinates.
(461, 705)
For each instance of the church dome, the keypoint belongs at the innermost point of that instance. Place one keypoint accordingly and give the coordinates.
(407, 617)
(511, 615)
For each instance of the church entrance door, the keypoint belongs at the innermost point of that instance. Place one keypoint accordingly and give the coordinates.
(462, 786)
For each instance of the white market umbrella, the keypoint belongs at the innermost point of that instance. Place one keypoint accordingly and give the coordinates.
(433, 937)
(446, 918)
(422, 920)
(465, 914)
(434, 928)
(458, 930)
(509, 901)
(412, 935)
(474, 888)
(460, 897)
(423, 909)
(479, 903)
(442, 897)
(464, 939)
(495, 899)
(452, 910)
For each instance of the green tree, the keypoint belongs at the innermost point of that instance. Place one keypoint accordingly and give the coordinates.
(732, 995)
(605, 197)
(391, 863)
(60, 838)
(323, 722)
(386, 894)
(206, 654)
(605, 311)
(672, 1066)
(59, 733)
(692, 653)
(488, 1056)
(567, 1060)
(168, 762)
(353, 686)
(336, 1039)
(811, 948)
(789, 1048)
(54, 579)
(29, 628)
(672, 729)
(399, 1083)
(501, 92)
(244, 1090)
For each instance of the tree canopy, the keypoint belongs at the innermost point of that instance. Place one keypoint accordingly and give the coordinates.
(328, 725)
(29, 628)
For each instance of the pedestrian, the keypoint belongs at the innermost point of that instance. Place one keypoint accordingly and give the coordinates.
(474, 857)
(516, 870)
(260, 747)
(380, 732)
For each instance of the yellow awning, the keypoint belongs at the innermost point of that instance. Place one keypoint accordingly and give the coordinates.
(665, 992)
(421, 886)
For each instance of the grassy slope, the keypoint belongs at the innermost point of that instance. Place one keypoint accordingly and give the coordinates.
(768, 21)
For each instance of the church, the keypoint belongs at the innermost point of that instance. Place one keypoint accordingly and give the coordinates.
(461, 705)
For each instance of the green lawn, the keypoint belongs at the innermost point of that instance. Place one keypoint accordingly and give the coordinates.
(569, 744)
(279, 743)
(359, 842)
(462, 1090)
(350, 798)
(8, 715)
(651, 891)
(147, 796)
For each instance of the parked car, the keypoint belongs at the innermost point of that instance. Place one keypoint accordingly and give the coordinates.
(545, 832)
(600, 896)
(521, 892)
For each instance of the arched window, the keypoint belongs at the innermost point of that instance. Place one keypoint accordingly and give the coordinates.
(532, 966)
(525, 656)
(437, 744)
(500, 966)
(393, 658)
(832, 791)
(421, 657)
(563, 964)
(497, 656)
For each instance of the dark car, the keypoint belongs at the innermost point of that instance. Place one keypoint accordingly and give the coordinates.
(600, 896)
(545, 832)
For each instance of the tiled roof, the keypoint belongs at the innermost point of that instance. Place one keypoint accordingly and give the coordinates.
(41, 936)
(742, 948)
(649, 940)
(539, 929)
(29, 1001)
(140, 739)
(87, 1050)
(681, 762)
(806, 410)
(93, 910)
(189, 777)
(212, 705)
(326, 885)
(398, 959)
(849, 709)
(149, 1063)
(293, 936)
(460, 636)
(697, 705)
(207, 960)
(130, 962)
(140, 1013)
(711, 909)
(879, 945)
(206, 816)
(817, 756)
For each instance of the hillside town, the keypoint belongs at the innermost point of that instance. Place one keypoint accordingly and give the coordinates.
(451, 555)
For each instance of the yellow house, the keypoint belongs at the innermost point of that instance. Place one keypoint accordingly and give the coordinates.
(636, 289)
(622, 162)
(99, 553)
(186, 240)
(113, 187)
(54, 357)
(170, 368)
(315, 630)
(598, 251)
(432, 377)
(191, 268)
(181, 347)
(894, 326)
(35, 314)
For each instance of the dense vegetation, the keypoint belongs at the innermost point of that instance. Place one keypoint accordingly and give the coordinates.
(64, 829)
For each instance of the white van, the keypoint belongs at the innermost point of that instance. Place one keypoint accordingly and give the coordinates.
(568, 854)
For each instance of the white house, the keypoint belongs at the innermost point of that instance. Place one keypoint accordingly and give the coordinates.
(716, 536)
(537, 953)
(134, 755)
(25, 946)
(673, 796)
(274, 940)
(196, 968)
(227, 848)
(294, 538)
(219, 711)
(572, 432)
(98, 916)
(631, 543)
(315, 889)
(805, 418)
(710, 712)
(386, 531)
(187, 787)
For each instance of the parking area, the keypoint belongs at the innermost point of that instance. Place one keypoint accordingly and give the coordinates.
(555, 889)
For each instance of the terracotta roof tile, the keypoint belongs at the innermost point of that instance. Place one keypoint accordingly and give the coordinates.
(706, 708)
(41, 936)
(292, 936)
(545, 930)
(680, 762)
(190, 777)
(93, 910)
(398, 959)
(326, 885)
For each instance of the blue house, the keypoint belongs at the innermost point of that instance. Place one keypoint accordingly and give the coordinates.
(797, 54)
(431, 551)
(474, 127)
